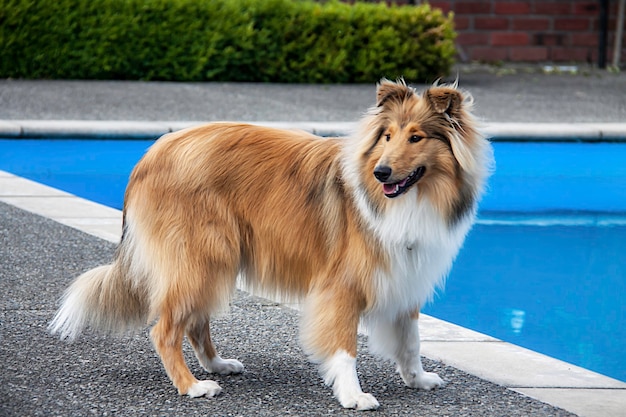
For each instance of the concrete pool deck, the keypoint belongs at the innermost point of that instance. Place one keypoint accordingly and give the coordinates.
(519, 370)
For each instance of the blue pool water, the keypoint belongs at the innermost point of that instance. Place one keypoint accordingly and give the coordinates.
(545, 267)
(558, 290)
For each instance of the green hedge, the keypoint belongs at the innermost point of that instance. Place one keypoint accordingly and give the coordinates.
(223, 40)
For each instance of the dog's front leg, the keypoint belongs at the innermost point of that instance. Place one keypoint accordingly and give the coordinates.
(407, 354)
(339, 371)
(329, 334)
(399, 340)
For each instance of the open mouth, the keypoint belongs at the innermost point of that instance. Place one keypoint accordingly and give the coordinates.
(395, 189)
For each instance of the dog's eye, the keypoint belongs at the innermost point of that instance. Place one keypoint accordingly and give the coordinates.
(415, 138)
(388, 137)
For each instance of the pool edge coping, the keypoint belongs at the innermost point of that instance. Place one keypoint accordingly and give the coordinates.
(530, 373)
(119, 129)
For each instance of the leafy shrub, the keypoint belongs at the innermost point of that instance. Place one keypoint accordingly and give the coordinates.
(223, 40)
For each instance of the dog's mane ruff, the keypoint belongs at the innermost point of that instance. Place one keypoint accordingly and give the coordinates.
(419, 239)
(399, 229)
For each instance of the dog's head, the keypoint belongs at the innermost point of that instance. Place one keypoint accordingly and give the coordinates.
(424, 141)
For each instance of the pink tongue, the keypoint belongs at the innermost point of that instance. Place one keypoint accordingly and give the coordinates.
(391, 188)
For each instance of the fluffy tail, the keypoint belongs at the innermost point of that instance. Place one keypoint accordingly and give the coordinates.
(103, 298)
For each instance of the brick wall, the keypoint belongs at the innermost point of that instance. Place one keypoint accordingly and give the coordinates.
(530, 30)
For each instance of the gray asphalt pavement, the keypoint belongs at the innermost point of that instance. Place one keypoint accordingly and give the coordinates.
(521, 96)
(122, 376)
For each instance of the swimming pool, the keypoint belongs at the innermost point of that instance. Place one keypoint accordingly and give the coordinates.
(544, 268)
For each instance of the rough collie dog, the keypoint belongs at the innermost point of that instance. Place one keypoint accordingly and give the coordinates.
(362, 228)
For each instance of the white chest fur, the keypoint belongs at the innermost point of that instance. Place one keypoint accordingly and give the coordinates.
(421, 247)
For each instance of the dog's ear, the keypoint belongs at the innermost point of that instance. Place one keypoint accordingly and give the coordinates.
(388, 90)
(450, 102)
(445, 100)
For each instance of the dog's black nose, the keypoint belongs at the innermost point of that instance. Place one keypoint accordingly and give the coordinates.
(382, 173)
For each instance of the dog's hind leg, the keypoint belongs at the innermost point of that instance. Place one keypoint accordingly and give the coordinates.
(199, 335)
(167, 336)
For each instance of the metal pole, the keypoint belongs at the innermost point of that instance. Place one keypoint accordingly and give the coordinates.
(619, 33)
(604, 6)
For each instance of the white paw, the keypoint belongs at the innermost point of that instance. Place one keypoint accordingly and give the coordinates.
(360, 401)
(340, 371)
(208, 388)
(423, 380)
(224, 366)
